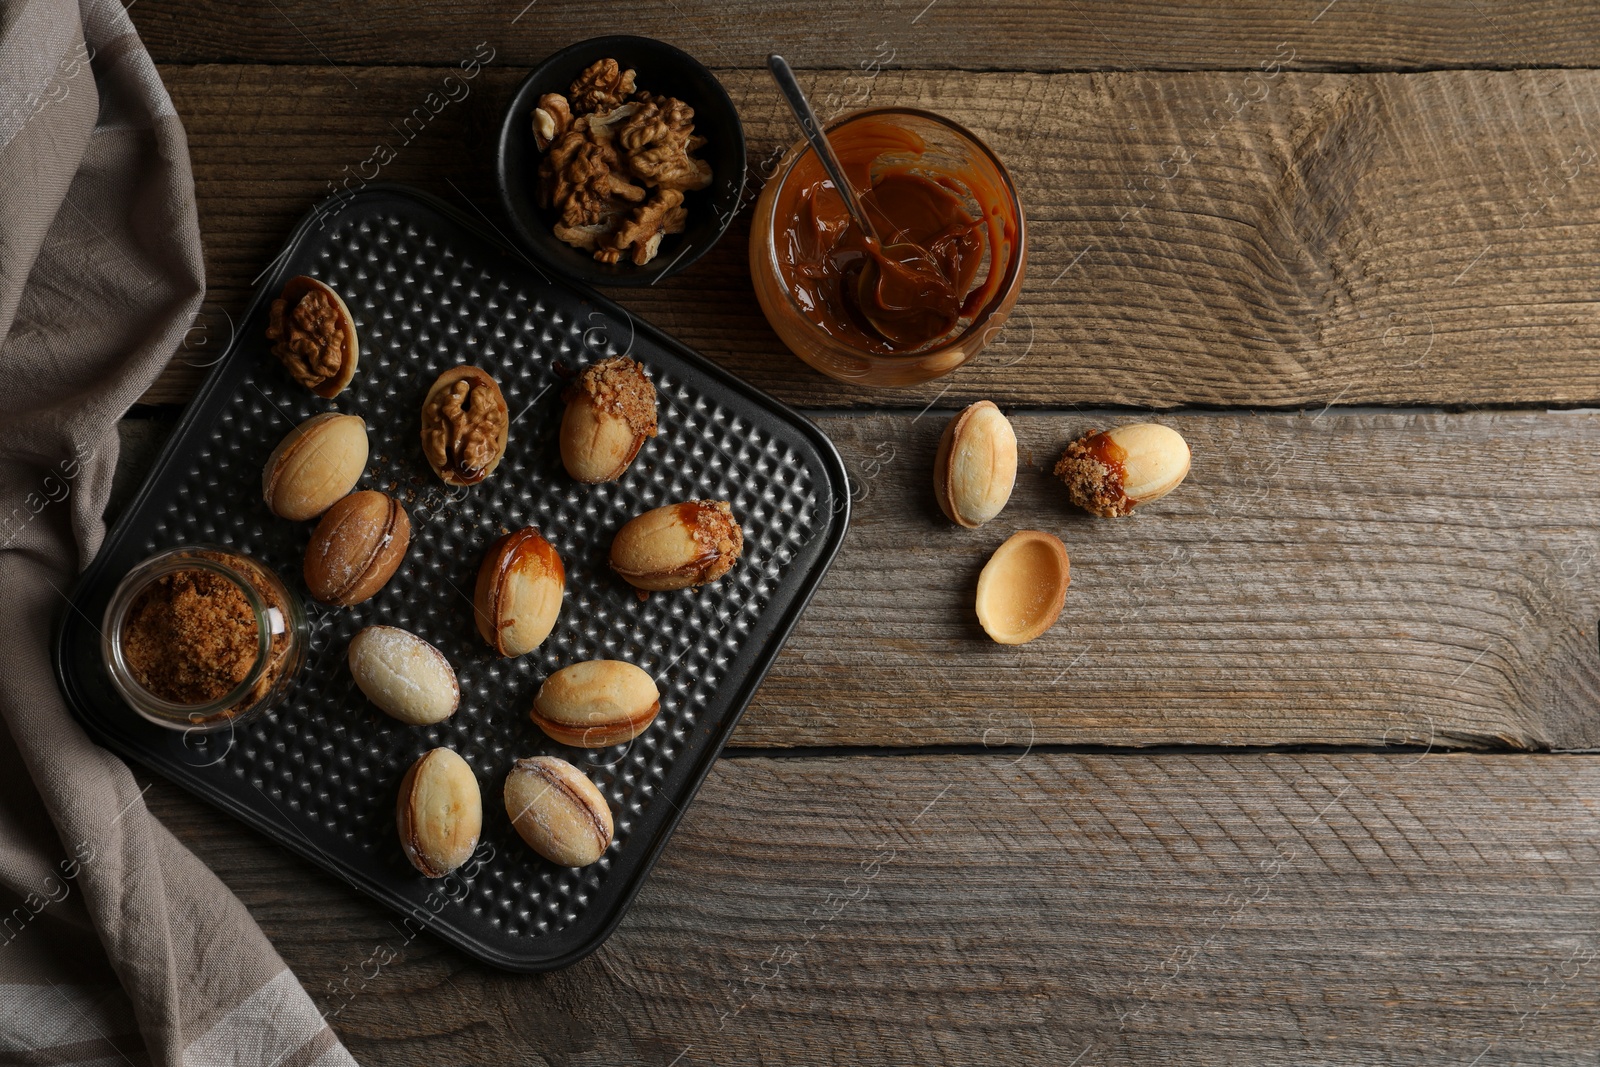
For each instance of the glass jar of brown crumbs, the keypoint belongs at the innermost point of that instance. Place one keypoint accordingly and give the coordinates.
(200, 637)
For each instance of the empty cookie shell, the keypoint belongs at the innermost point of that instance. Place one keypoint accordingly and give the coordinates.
(1023, 587)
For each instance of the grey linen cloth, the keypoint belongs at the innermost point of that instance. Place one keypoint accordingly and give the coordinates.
(116, 944)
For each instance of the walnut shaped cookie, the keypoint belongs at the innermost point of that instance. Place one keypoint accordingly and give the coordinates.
(465, 423)
(314, 336)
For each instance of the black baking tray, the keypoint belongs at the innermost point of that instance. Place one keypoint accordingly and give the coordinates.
(319, 773)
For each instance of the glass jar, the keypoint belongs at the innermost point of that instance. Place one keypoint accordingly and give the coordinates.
(243, 599)
(917, 142)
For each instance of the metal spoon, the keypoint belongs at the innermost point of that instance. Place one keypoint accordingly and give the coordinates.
(783, 74)
(911, 264)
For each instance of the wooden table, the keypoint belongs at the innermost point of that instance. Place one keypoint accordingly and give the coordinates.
(1298, 776)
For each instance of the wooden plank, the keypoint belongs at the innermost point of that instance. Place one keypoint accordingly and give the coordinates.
(1379, 578)
(1338, 578)
(1341, 578)
(833, 34)
(1222, 239)
(1205, 909)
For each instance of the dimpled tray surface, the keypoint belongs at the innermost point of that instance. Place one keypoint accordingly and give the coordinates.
(320, 772)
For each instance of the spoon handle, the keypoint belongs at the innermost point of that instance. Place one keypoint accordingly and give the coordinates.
(783, 74)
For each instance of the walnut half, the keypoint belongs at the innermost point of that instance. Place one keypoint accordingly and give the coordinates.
(551, 119)
(641, 233)
(657, 140)
(464, 426)
(584, 179)
(602, 86)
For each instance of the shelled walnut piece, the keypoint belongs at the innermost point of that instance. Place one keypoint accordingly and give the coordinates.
(617, 163)
(583, 178)
(551, 119)
(659, 139)
(662, 214)
(602, 86)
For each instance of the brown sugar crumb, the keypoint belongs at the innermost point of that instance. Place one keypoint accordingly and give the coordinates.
(1091, 469)
(191, 637)
(619, 385)
(719, 535)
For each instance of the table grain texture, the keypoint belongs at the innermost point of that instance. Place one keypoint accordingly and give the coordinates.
(1304, 773)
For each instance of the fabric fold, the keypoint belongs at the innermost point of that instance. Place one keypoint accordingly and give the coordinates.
(115, 941)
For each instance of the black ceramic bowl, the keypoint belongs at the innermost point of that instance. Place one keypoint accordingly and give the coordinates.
(661, 69)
